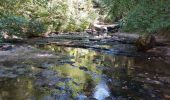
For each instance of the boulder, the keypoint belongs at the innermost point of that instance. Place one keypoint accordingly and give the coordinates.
(145, 43)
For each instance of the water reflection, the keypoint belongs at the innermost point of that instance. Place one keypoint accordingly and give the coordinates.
(103, 76)
(21, 88)
(91, 75)
(91, 71)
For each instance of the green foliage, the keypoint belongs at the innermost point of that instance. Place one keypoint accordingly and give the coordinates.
(51, 13)
(27, 18)
(77, 25)
(20, 26)
(116, 9)
(148, 17)
(35, 28)
(142, 16)
(13, 25)
(71, 25)
(80, 15)
(84, 25)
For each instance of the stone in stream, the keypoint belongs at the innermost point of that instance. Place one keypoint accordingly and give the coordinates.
(47, 78)
(8, 75)
(81, 97)
(113, 29)
(57, 97)
(6, 47)
(65, 79)
(66, 61)
(46, 65)
(146, 43)
(21, 71)
(103, 28)
(83, 68)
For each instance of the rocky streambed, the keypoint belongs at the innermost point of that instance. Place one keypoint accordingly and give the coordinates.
(81, 68)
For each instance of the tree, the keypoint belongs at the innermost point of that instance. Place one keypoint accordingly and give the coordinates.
(34, 17)
(142, 16)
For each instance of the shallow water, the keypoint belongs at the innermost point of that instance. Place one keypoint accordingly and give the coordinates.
(21, 88)
(88, 74)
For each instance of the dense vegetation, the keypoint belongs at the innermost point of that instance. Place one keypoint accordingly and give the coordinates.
(29, 18)
(142, 16)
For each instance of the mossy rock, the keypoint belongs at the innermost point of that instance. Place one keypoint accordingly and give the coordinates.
(145, 43)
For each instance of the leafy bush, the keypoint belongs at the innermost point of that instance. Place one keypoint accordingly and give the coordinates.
(13, 25)
(117, 9)
(27, 18)
(20, 26)
(71, 26)
(35, 28)
(77, 25)
(148, 17)
(142, 16)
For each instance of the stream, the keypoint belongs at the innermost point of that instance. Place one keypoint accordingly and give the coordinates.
(52, 72)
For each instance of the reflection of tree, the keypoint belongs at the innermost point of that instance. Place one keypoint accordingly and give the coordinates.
(82, 82)
(21, 88)
(117, 68)
(120, 66)
(88, 86)
(120, 73)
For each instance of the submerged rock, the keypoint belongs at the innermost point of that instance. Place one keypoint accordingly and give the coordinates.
(6, 47)
(57, 97)
(47, 78)
(83, 68)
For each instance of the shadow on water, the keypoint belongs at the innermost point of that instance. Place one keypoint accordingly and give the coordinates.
(94, 75)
